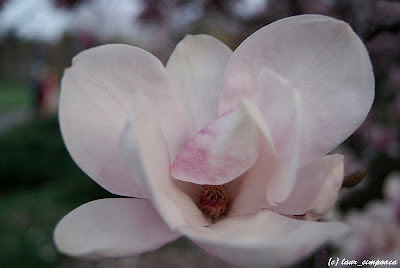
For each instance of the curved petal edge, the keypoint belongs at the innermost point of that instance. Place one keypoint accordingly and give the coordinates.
(112, 228)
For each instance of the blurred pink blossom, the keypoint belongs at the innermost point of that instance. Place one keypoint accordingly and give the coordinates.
(391, 190)
(375, 234)
(396, 105)
(375, 229)
(383, 138)
(395, 78)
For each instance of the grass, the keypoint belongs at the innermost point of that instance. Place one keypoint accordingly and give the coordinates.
(14, 95)
(39, 184)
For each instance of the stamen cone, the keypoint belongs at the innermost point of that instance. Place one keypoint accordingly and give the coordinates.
(214, 200)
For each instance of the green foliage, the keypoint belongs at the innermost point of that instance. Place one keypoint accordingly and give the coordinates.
(34, 154)
(39, 184)
(14, 95)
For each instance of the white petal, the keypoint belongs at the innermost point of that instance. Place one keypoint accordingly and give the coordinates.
(272, 177)
(196, 70)
(96, 94)
(327, 64)
(251, 195)
(316, 189)
(112, 228)
(281, 107)
(147, 151)
(267, 171)
(265, 239)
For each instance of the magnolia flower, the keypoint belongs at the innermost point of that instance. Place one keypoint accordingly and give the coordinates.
(227, 149)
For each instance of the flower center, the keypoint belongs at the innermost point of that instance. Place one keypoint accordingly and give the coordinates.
(214, 200)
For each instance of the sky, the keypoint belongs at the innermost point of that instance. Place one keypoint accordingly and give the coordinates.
(41, 20)
(34, 19)
(107, 19)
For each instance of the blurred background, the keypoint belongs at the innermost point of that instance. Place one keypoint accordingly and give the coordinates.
(39, 183)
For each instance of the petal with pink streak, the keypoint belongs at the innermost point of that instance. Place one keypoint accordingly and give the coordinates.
(271, 179)
(251, 194)
(112, 228)
(324, 60)
(265, 239)
(146, 151)
(196, 70)
(96, 94)
(316, 188)
(222, 151)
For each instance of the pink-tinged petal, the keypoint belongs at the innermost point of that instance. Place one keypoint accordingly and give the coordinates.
(112, 228)
(265, 239)
(96, 95)
(196, 70)
(324, 60)
(222, 151)
(328, 193)
(286, 123)
(316, 189)
(251, 194)
(146, 150)
(141, 118)
(265, 184)
(272, 178)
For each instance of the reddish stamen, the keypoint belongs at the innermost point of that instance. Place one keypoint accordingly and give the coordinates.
(214, 200)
